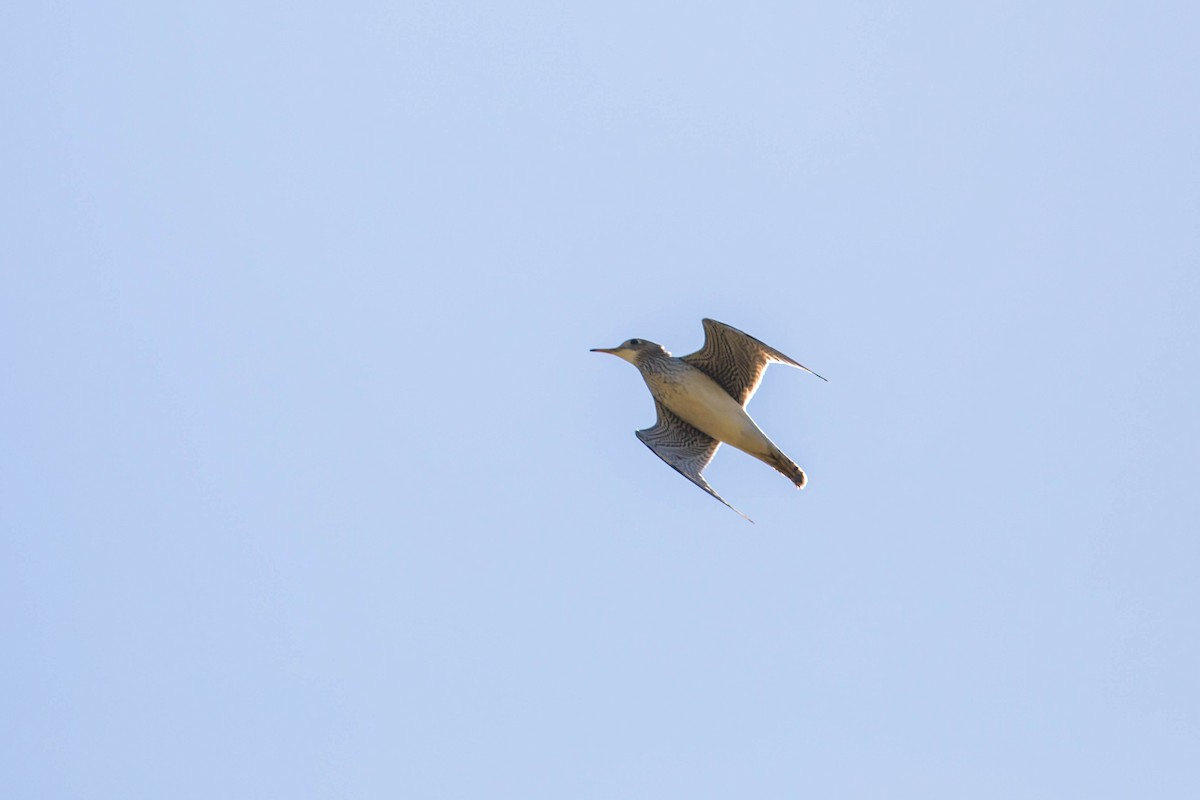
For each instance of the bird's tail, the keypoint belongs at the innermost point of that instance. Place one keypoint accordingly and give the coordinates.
(787, 467)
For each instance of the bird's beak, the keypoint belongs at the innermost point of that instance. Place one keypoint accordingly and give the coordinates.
(611, 351)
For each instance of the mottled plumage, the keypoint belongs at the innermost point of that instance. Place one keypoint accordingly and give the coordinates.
(685, 448)
(736, 360)
(701, 401)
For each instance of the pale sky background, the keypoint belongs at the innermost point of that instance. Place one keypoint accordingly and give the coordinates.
(309, 487)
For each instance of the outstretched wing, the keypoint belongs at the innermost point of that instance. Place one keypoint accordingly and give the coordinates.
(685, 448)
(736, 360)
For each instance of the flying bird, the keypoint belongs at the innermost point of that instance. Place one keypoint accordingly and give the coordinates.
(701, 401)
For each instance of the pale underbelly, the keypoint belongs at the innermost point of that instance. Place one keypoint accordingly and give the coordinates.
(706, 406)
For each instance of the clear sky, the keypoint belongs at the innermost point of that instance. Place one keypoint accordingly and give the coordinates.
(310, 487)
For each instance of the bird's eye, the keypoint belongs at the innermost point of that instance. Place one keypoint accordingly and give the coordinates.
(635, 342)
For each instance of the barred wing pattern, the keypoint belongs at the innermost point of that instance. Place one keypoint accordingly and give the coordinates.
(736, 360)
(685, 448)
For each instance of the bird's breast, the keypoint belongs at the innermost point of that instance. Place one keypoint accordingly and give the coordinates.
(699, 401)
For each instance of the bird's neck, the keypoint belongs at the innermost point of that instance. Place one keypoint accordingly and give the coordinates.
(653, 362)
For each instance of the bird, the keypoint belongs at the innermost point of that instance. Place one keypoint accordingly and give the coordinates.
(701, 401)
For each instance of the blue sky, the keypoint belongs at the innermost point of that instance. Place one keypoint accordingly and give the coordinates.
(310, 487)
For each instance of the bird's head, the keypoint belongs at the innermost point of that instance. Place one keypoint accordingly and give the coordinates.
(633, 350)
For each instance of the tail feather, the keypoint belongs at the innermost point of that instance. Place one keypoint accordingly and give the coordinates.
(787, 467)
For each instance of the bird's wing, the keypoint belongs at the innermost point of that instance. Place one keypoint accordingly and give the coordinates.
(685, 448)
(736, 360)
